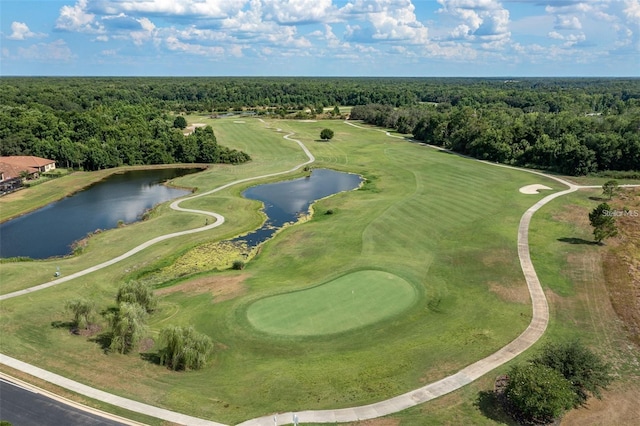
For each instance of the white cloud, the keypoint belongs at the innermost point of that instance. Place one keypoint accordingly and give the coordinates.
(57, 51)
(388, 20)
(195, 49)
(76, 18)
(564, 22)
(632, 11)
(571, 7)
(569, 39)
(485, 21)
(289, 12)
(20, 31)
(146, 31)
(197, 8)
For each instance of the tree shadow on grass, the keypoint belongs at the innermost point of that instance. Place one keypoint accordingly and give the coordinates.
(601, 199)
(492, 408)
(103, 340)
(63, 324)
(572, 240)
(151, 357)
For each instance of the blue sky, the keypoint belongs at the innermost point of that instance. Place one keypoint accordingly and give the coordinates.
(320, 37)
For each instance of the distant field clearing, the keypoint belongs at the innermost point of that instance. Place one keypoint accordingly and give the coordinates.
(351, 301)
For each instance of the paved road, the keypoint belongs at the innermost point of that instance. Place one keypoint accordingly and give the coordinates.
(23, 407)
(533, 332)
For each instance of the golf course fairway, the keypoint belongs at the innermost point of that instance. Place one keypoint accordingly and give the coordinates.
(351, 301)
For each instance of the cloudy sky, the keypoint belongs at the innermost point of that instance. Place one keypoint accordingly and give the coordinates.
(320, 37)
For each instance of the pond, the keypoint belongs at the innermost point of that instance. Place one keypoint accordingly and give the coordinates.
(284, 202)
(123, 197)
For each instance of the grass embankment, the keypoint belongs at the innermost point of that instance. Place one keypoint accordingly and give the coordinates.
(444, 224)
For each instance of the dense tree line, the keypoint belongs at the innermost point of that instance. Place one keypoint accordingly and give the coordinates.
(107, 136)
(574, 126)
(566, 142)
(223, 93)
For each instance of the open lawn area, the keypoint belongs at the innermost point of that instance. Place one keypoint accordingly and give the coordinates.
(411, 278)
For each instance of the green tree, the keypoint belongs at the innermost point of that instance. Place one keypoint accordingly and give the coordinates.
(326, 134)
(180, 122)
(586, 371)
(336, 111)
(138, 293)
(184, 348)
(537, 393)
(603, 222)
(610, 188)
(128, 326)
(82, 311)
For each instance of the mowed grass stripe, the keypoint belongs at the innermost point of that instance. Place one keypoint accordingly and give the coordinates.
(351, 301)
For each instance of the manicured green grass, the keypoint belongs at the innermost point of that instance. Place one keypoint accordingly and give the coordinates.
(350, 301)
(444, 224)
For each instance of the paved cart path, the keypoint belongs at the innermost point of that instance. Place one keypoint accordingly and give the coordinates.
(529, 336)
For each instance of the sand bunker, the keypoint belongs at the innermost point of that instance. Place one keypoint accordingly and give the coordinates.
(533, 189)
(192, 127)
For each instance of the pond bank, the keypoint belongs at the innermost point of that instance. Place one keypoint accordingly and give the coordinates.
(30, 199)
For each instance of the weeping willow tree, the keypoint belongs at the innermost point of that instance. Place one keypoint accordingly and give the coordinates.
(137, 292)
(128, 326)
(184, 348)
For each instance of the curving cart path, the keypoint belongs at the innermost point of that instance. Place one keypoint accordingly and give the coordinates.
(525, 340)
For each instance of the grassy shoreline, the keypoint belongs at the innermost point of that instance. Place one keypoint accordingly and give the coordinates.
(27, 200)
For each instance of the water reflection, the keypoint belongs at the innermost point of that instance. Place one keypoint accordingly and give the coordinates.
(285, 201)
(51, 230)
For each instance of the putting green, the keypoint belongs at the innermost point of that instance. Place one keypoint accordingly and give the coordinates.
(351, 301)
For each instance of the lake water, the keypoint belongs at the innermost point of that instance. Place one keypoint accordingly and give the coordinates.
(285, 201)
(51, 230)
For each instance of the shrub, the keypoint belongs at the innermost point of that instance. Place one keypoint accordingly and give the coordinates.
(326, 134)
(82, 311)
(586, 371)
(537, 393)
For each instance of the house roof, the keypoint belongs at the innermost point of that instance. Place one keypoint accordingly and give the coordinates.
(12, 166)
(10, 171)
(26, 161)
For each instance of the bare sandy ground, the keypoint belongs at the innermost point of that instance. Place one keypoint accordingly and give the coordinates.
(192, 128)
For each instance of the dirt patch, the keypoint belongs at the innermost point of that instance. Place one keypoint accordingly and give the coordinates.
(221, 287)
(576, 215)
(621, 263)
(514, 294)
(617, 407)
(146, 344)
(498, 257)
(91, 330)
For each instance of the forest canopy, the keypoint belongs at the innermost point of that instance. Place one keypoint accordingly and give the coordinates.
(572, 126)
